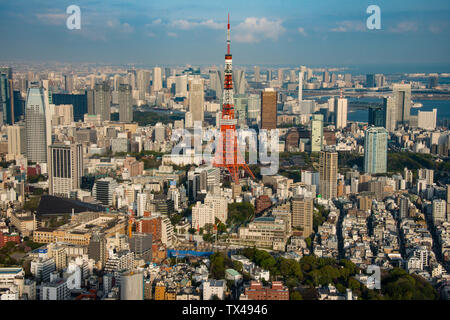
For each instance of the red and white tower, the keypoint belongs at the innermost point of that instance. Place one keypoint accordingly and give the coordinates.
(227, 154)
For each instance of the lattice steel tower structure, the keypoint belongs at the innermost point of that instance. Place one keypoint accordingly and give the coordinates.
(227, 154)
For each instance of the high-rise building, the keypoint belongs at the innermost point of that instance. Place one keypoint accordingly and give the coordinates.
(103, 190)
(143, 83)
(240, 107)
(90, 101)
(216, 82)
(269, 109)
(78, 101)
(181, 86)
(427, 175)
(160, 132)
(125, 103)
(433, 82)
(62, 114)
(97, 249)
(17, 140)
(6, 96)
(328, 162)
(132, 285)
(402, 98)
(370, 81)
(427, 119)
(196, 99)
(380, 80)
(141, 246)
(202, 214)
(219, 205)
(326, 77)
(341, 112)
(65, 168)
(300, 87)
(375, 150)
(280, 76)
(269, 75)
(376, 116)
(239, 81)
(254, 107)
(257, 75)
(302, 214)
(439, 211)
(68, 83)
(389, 114)
(37, 125)
(157, 79)
(316, 132)
(102, 101)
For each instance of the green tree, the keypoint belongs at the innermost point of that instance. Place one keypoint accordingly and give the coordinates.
(295, 295)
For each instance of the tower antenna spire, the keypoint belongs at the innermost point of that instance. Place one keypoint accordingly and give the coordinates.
(228, 35)
(227, 154)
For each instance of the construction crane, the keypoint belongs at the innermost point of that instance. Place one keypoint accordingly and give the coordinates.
(130, 224)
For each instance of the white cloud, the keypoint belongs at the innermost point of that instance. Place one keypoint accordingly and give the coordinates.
(172, 34)
(254, 30)
(186, 25)
(126, 28)
(122, 27)
(302, 31)
(52, 18)
(349, 26)
(405, 26)
(157, 21)
(150, 34)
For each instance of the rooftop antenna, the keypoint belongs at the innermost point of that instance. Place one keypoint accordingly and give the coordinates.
(228, 35)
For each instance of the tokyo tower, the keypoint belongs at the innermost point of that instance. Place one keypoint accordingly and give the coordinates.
(227, 154)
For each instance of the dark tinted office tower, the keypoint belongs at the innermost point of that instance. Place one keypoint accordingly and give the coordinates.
(125, 103)
(370, 80)
(376, 116)
(78, 101)
(36, 125)
(19, 105)
(90, 101)
(5, 99)
(402, 100)
(269, 75)
(102, 100)
(269, 109)
(433, 82)
(6, 95)
(65, 168)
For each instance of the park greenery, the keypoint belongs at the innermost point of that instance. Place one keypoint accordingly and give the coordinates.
(397, 161)
(320, 215)
(144, 118)
(310, 272)
(12, 254)
(32, 203)
(240, 212)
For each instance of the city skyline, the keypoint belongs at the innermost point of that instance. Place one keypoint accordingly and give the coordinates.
(288, 32)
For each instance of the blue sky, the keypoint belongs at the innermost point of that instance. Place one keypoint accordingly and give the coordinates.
(298, 32)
